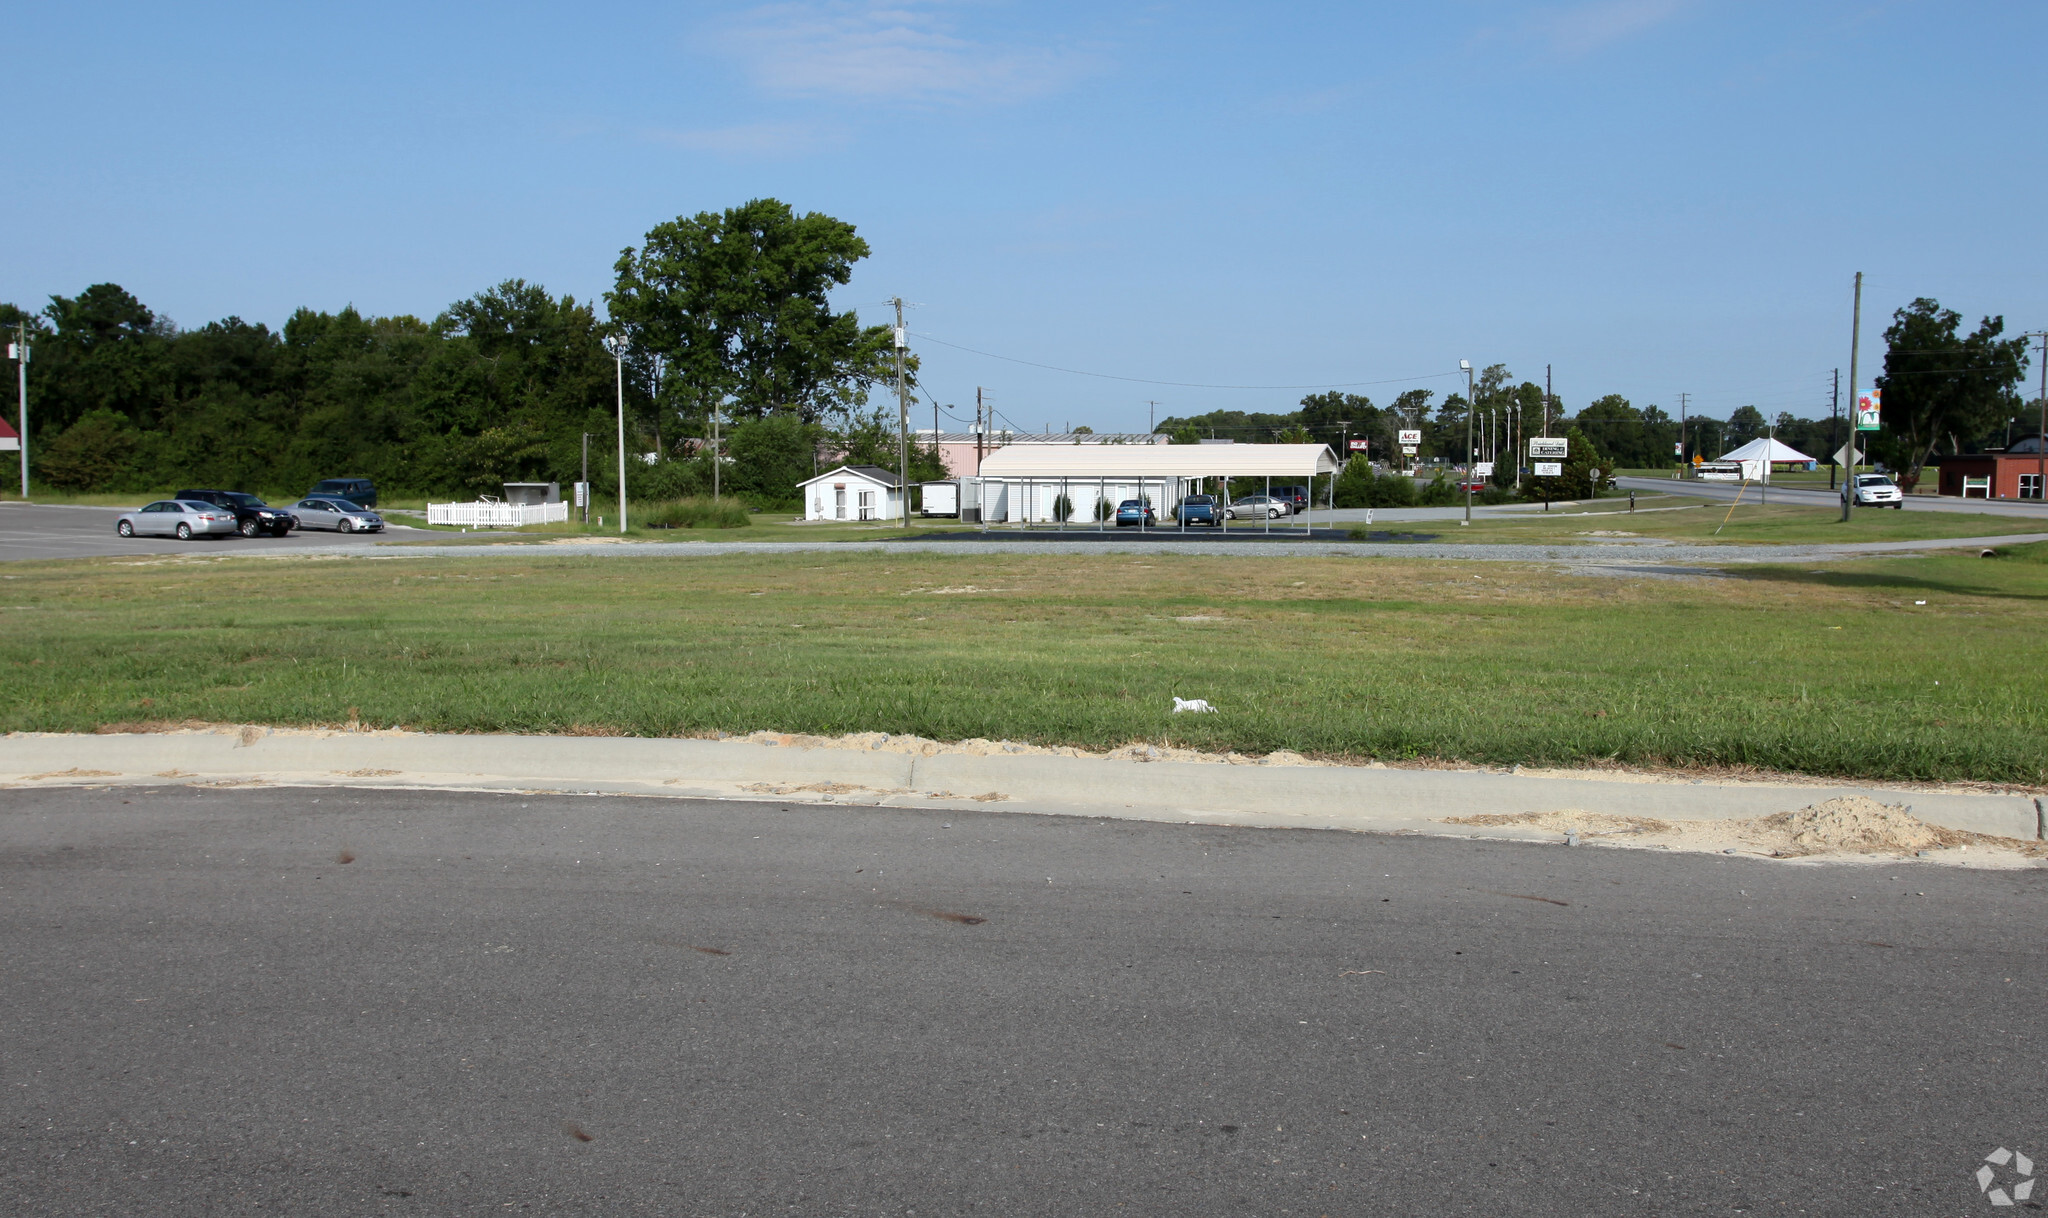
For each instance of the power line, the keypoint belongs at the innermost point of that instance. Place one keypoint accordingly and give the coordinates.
(1139, 380)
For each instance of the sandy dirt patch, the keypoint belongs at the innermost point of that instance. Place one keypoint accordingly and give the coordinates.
(1849, 827)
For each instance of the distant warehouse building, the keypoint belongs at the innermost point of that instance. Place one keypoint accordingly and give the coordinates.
(1026, 483)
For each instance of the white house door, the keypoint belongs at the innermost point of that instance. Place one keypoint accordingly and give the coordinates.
(839, 502)
(867, 505)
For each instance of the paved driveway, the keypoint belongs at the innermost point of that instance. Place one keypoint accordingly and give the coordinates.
(1724, 491)
(52, 531)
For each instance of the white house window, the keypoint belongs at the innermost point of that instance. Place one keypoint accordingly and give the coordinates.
(839, 501)
(867, 505)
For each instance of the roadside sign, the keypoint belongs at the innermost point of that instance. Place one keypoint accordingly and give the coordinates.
(1411, 437)
(582, 494)
(1555, 448)
(1359, 446)
(1408, 450)
(1847, 455)
(1483, 469)
(1678, 450)
(1867, 407)
(1550, 469)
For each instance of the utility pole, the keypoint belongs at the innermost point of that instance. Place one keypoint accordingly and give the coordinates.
(2040, 440)
(902, 418)
(1683, 400)
(1855, 338)
(1151, 416)
(1471, 418)
(20, 354)
(980, 430)
(586, 478)
(617, 343)
(1834, 417)
(1546, 401)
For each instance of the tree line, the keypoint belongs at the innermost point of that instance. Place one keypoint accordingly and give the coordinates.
(724, 314)
(729, 332)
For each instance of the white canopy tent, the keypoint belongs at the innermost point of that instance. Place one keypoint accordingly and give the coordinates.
(1760, 454)
(1024, 483)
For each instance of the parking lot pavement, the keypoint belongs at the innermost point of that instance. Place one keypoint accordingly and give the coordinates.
(365, 1002)
(30, 530)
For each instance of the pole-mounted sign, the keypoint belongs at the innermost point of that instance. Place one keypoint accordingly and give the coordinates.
(1411, 438)
(1868, 404)
(1549, 469)
(1555, 448)
(1359, 446)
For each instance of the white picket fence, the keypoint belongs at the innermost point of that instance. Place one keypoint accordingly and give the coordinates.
(490, 514)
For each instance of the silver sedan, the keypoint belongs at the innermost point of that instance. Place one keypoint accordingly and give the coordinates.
(180, 518)
(340, 515)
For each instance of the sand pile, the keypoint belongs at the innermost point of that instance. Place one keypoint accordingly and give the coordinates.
(1855, 824)
(1849, 826)
(883, 742)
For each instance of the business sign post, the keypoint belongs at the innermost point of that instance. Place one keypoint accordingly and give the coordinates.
(1549, 469)
(1361, 446)
(1868, 404)
(1549, 448)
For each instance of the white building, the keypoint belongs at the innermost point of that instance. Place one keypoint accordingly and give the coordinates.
(853, 492)
(1023, 483)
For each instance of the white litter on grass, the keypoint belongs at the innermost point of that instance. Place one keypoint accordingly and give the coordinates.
(1196, 706)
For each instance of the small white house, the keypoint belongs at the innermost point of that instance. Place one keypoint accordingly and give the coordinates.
(853, 492)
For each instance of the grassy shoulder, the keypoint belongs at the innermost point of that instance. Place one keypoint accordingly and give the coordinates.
(1786, 668)
(1679, 518)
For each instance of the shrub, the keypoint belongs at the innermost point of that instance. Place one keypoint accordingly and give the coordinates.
(1439, 492)
(696, 512)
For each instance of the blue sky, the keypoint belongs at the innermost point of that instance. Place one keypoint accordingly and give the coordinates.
(1653, 196)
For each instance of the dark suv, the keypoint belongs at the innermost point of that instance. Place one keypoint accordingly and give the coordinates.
(252, 515)
(1298, 496)
(356, 490)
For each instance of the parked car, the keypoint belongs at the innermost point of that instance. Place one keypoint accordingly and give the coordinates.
(252, 515)
(341, 515)
(180, 518)
(1198, 509)
(1298, 497)
(1136, 511)
(355, 490)
(1877, 490)
(1269, 506)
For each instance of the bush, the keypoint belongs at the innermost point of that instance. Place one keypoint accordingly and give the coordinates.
(1360, 487)
(1062, 509)
(696, 512)
(1439, 492)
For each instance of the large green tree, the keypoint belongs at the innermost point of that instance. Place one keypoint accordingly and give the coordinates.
(1940, 384)
(737, 305)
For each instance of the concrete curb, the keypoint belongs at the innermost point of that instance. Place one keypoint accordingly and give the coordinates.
(1327, 797)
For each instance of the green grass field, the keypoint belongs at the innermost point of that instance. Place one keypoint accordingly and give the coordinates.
(1835, 671)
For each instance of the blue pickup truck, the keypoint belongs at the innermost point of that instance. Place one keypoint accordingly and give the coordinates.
(1199, 509)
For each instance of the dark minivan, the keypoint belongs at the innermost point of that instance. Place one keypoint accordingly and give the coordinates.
(252, 515)
(355, 490)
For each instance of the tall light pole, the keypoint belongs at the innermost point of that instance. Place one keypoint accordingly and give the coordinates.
(1471, 420)
(616, 344)
(1855, 338)
(902, 419)
(19, 350)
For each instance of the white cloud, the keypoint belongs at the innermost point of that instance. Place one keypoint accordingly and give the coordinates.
(906, 51)
(1582, 28)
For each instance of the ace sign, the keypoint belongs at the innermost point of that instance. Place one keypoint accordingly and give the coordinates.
(1411, 438)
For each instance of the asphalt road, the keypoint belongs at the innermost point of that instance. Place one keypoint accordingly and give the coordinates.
(1725, 491)
(334, 1002)
(54, 531)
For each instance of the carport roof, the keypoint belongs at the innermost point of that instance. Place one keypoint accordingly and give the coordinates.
(1159, 461)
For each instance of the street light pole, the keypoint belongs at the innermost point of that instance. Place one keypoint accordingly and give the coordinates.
(1471, 420)
(1855, 338)
(616, 344)
(20, 354)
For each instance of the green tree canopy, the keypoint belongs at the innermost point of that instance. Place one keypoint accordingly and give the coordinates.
(737, 306)
(1939, 384)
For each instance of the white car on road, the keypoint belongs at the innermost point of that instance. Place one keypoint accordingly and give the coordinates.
(1876, 490)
